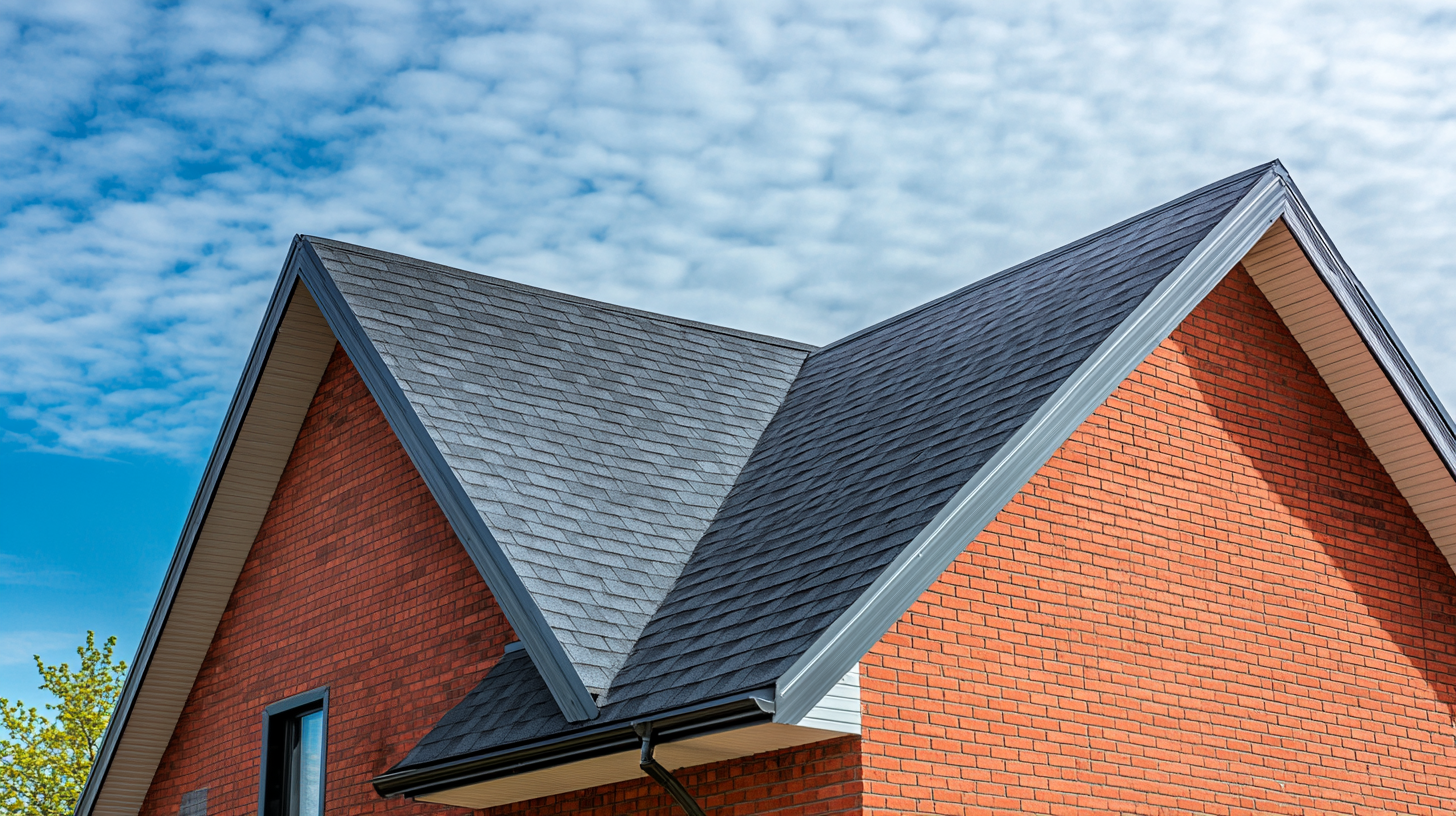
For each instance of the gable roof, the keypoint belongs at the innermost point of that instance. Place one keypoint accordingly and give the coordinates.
(712, 527)
(477, 377)
(878, 433)
(898, 444)
(596, 442)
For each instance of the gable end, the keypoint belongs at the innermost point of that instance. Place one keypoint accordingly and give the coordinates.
(289, 356)
(1422, 463)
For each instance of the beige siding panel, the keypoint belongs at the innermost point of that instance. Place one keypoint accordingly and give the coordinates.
(1362, 384)
(265, 439)
(618, 767)
(1316, 313)
(1342, 350)
(1316, 320)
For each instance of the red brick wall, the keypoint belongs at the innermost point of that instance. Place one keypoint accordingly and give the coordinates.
(819, 779)
(355, 581)
(1212, 600)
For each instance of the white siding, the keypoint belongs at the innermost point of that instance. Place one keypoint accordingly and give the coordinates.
(839, 710)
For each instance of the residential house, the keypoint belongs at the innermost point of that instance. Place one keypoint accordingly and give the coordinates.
(1159, 522)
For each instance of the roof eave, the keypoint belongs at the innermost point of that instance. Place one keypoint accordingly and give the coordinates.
(1273, 197)
(711, 716)
(187, 540)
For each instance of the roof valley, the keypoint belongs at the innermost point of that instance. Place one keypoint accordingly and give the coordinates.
(597, 442)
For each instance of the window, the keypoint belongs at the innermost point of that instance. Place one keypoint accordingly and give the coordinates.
(294, 736)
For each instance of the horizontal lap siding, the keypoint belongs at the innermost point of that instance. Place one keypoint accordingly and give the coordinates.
(355, 581)
(1212, 600)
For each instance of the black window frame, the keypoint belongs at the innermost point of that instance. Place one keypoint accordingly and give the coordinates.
(278, 719)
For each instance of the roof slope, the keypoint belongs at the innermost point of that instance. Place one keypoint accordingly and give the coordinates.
(878, 432)
(597, 442)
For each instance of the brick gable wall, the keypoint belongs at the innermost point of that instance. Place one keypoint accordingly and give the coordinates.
(1212, 600)
(355, 581)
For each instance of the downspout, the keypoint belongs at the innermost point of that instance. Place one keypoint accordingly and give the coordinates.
(663, 776)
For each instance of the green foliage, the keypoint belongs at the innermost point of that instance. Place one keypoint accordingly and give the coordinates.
(44, 758)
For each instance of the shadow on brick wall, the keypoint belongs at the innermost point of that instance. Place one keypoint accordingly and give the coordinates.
(1273, 405)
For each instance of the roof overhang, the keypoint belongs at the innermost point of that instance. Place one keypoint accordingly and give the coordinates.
(289, 356)
(717, 730)
(1334, 319)
(305, 318)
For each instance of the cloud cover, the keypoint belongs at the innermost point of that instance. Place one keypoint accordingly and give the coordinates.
(791, 168)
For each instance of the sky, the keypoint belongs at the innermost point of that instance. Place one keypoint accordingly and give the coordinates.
(793, 168)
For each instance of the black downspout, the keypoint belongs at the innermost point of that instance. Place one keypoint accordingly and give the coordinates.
(664, 777)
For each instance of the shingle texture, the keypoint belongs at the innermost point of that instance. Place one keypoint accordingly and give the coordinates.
(877, 434)
(878, 431)
(512, 704)
(597, 442)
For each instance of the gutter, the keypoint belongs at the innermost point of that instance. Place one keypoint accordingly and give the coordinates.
(723, 714)
(663, 776)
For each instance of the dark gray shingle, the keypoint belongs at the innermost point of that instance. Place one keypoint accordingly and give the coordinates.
(878, 431)
(537, 400)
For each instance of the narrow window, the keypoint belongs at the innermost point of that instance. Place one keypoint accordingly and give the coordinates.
(294, 737)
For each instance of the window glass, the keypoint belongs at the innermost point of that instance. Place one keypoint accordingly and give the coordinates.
(295, 732)
(310, 764)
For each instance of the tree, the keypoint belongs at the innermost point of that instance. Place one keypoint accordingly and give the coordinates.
(44, 758)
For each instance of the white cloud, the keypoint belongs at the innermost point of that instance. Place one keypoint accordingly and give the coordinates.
(20, 648)
(796, 169)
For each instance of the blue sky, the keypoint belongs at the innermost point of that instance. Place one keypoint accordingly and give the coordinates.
(801, 169)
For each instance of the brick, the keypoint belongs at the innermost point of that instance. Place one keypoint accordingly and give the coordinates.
(1229, 615)
(356, 581)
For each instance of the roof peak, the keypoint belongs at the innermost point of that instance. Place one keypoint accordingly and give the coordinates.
(1273, 165)
(525, 288)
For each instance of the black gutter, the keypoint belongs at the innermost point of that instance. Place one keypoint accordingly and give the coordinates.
(663, 776)
(739, 711)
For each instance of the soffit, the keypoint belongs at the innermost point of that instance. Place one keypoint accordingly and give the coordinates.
(220, 532)
(1318, 322)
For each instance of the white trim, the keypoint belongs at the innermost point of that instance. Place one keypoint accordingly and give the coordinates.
(839, 710)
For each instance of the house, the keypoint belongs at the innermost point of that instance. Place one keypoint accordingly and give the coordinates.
(1162, 521)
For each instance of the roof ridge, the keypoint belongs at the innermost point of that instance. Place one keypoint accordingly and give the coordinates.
(395, 257)
(1045, 256)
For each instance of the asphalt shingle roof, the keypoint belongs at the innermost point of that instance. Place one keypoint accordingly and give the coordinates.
(596, 441)
(876, 433)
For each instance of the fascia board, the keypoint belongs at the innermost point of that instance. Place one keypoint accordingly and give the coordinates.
(196, 515)
(1359, 307)
(858, 628)
(520, 609)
